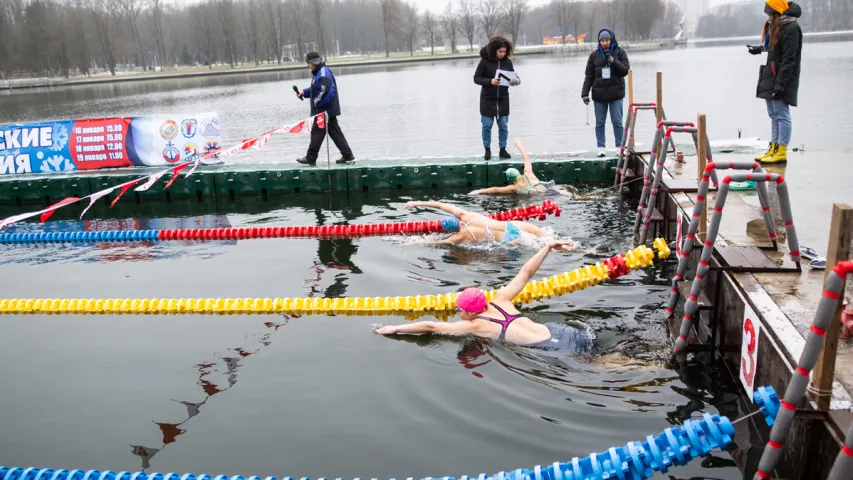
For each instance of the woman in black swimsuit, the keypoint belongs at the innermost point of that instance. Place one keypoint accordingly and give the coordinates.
(500, 320)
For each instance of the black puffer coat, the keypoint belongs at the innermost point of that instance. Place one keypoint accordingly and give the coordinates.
(779, 78)
(606, 90)
(494, 99)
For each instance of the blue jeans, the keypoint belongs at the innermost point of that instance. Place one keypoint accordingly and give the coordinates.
(615, 118)
(503, 130)
(780, 122)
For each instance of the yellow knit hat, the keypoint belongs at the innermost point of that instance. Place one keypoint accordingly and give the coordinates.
(779, 6)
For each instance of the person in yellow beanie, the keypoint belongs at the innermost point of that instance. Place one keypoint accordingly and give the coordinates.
(779, 77)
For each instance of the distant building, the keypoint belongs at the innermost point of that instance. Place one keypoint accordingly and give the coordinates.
(693, 11)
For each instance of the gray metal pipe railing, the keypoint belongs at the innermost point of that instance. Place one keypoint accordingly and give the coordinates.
(843, 466)
(693, 227)
(652, 193)
(628, 133)
(691, 306)
(650, 168)
(794, 394)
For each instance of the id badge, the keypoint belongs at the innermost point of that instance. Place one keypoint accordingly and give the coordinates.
(605, 73)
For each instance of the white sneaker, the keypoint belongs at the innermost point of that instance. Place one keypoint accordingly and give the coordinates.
(601, 153)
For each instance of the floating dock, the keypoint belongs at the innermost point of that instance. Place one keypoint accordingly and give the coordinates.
(237, 180)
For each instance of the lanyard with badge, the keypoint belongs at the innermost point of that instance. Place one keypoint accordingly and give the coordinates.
(605, 72)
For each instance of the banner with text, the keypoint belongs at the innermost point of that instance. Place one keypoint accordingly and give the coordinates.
(69, 145)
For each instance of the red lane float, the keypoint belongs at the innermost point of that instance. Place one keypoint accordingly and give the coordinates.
(359, 230)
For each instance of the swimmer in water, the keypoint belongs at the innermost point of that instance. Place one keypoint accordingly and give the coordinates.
(470, 227)
(499, 319)
(526, 183)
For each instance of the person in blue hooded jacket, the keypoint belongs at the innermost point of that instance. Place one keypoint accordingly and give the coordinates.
(323, 94)
(605, 76)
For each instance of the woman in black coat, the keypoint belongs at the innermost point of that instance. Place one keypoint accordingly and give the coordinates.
(779, 77)
(494, 98)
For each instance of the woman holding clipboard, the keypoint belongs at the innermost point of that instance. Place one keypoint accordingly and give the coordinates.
(495, 74)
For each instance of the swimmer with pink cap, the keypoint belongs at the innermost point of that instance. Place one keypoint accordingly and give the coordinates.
(500, 320)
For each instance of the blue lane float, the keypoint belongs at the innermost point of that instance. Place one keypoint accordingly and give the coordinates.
(675, 446)
(79, 237)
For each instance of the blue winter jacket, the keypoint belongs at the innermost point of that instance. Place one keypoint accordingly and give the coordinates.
(323, 92)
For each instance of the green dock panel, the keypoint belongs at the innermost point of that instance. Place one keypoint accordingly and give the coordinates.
(230, 181)
(465, 175)
(198, 185)
(381, 178)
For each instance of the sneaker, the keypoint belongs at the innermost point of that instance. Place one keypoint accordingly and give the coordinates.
(504, 154)
(346, 159)
(601, 153)
(488, 154)
(306, 161)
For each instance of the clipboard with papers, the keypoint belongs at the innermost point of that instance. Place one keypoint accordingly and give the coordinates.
(505, 76)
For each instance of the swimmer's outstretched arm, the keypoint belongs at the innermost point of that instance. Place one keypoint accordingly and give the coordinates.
(455, 211)
(528, 165)
(456, 328)
(495, 190)
(529, 269)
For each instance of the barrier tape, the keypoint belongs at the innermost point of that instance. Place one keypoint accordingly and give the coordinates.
(523, 213)
(675, 446)
(556, 285)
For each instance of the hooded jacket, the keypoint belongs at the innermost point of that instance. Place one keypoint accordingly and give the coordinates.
(779, 78)
(323, 92)
(494, 99)
(606, 90)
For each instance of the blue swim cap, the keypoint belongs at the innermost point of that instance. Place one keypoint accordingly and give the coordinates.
(450, 223)
(512, 174)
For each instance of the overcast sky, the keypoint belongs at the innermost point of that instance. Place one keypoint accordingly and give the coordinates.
(439, 5)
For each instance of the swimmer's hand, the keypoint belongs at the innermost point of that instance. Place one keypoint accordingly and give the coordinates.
(387, 330)
(411, 205)
(561, 245)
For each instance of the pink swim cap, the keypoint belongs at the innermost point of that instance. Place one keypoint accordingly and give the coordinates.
(471, 300)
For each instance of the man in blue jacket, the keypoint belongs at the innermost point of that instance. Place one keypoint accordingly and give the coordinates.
(323, 94)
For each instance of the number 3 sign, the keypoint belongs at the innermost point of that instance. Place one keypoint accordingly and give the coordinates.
(749, 351)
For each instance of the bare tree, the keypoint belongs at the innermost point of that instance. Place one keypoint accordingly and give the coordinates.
(390, 21)
(155, 10)
(468, 21)
(412, 20)
(129, 11)
(226, 19)
(251, 25)
(297, 10)
(514, 12)
(430, 26)
(101, 13)
(318, 7)
(202, 32)
(273, 27)
(450, 23)
(490, 17)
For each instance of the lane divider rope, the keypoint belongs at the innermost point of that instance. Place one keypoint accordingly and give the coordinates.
(523, 213)
(556, 285)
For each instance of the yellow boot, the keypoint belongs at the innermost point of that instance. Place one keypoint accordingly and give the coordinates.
(779, 157)
(769, 153)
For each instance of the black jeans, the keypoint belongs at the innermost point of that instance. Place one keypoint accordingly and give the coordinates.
(318, 134)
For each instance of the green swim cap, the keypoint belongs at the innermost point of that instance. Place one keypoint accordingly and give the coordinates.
(512, 174)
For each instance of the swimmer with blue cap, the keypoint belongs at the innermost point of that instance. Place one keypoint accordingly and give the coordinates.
(500, 320)
(471, 228)
(525, 183)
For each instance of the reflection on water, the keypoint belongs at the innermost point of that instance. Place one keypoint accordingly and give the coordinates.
(206, 380)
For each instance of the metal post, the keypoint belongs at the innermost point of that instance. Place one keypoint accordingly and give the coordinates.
(796, 390)
(844, 462)
(628, 136)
